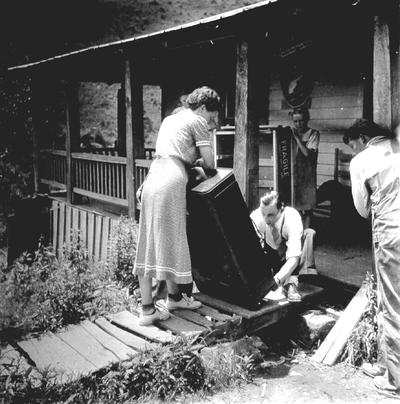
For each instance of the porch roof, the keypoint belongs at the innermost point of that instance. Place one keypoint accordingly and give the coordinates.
(206, 27)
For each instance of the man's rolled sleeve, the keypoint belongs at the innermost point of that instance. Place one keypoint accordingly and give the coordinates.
(359, 191)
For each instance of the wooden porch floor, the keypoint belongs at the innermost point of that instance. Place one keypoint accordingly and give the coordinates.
(82, 349)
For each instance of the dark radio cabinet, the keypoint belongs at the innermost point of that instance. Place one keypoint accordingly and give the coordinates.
(227, 259)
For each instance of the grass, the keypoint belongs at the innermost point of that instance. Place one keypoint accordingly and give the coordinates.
(164, 373)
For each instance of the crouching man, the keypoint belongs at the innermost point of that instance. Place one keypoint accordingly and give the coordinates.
(289, 247)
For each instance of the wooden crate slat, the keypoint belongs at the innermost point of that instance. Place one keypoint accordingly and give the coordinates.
(61, 228)
(68, 226)
(305, 290)
(90, 238)
(105, 238)
(55, 210)
(180, 326)
(129, 339)
(189, 315)
(50, 352)
(75, 220)
(120, 350)
(83, 226)
(194, 317)
(335, 341)
(87, 346)
(213, 313)
(97, 237)
(129, 321)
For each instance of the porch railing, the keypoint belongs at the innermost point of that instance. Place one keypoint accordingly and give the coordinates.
(96, 176)
(52, 168)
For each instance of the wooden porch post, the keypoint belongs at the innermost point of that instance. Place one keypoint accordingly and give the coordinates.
(134, 130)
(395, 64)
(246, 147)
(121, 120)
(37, 123)
(382, 104)
(72, 139)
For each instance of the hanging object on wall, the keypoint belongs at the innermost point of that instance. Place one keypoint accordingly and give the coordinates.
(295, 59)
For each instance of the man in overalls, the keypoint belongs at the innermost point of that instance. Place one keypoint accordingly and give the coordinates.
(375, 185)
(288, 246)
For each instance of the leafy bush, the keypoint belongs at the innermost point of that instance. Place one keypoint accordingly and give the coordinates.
(362, 346)
(122, 251)
(40, 292)
(16, 181)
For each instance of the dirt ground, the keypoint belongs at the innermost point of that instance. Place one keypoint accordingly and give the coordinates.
(302, 381)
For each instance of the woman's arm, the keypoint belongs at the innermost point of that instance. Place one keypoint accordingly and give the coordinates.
(207, 158)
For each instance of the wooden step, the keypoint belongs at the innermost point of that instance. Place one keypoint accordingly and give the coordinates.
(129, 322)
(51, 352)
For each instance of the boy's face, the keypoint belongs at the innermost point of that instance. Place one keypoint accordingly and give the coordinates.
(299, 122)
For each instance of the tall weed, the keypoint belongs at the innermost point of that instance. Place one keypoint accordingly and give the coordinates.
(122, 251)
(362, 346)
(41, 292)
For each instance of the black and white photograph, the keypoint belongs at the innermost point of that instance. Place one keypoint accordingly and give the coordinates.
(199, 201)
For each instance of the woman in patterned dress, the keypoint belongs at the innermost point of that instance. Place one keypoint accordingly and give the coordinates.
(162, 247)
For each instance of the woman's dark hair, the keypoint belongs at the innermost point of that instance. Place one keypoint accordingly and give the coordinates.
(204, 96)
(272, 197)
(301, 110)
(365, 127)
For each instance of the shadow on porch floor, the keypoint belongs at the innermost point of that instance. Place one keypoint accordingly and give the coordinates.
(343, 250)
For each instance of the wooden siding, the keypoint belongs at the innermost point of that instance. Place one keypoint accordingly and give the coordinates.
(94, 229)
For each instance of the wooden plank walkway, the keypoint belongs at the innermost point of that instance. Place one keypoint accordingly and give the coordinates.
(81, 349)
(269, 312)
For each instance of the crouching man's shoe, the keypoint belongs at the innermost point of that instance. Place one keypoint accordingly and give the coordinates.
(293, 294)
(277, 294)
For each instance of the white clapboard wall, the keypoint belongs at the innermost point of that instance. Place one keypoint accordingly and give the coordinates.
(334, 107)
(94, 228)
